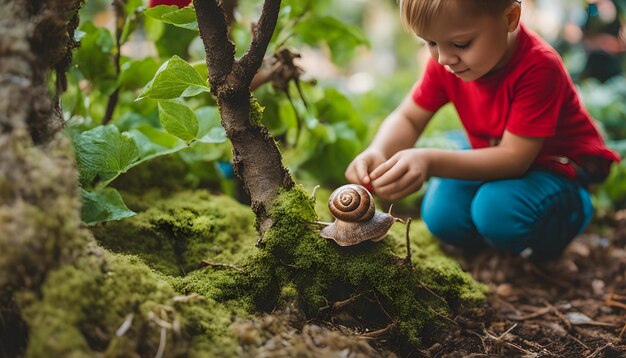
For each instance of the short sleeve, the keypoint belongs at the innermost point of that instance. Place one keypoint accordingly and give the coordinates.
(430, 92)
(537, 102)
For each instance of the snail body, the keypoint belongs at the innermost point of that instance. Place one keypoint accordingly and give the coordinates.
(356, 218)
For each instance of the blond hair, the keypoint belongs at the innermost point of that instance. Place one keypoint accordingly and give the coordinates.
(417, 14)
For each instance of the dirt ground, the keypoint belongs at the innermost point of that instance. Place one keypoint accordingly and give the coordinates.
(572, 307)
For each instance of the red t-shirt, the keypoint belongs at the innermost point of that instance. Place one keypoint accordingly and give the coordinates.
(532, 95)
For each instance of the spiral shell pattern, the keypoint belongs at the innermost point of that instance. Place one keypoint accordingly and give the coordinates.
(352, 203)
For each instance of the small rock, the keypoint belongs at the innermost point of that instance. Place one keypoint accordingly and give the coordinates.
(505, 290)
(579, 249)
(578, 318)
(598, 287)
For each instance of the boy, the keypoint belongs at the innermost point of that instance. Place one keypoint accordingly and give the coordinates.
(534, 145)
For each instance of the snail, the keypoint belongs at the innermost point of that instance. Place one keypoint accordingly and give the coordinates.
(356, 218)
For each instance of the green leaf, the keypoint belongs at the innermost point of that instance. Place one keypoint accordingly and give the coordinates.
(153, 142)
(93, 58)
(210, 129)
(342, 40)
(136, 73)
(178, 119)
(185, 17)
(103, 205)
(103, 153)
(241, 36)
(175, 78)
(131, 11)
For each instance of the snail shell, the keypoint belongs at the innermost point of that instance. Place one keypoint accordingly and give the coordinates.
(356, 218)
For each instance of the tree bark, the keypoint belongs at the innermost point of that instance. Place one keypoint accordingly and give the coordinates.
(40, 225)
(257, 159)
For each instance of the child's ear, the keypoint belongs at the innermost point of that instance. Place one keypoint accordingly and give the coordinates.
(512, 16)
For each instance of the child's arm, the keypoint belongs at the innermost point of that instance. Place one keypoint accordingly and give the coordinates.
(398, 131)
(406, 171)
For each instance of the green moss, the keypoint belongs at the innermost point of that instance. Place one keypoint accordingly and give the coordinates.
(256, 112)
(176, 234)
(82, 308)
(294, 261)
(323, 272)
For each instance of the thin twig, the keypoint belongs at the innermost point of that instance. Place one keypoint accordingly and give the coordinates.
(194, 297)
(444, 317)
(341, 304)
(288, 265)
(621, 334)
(529, 353)
(558, 313)
(599, 350)
(538, 313)
(222, 265)
(380, 332)
(380, 304)
(120, 17)
(612, 303)
(482, 340)
(128, 322)
(320, 223)
(499, 338)
(161, 350)
(579, 342)
(314, 194)
(433, 292)
(407, 260)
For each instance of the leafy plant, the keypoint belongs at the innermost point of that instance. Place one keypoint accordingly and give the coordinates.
(124, 111)
(106, 150)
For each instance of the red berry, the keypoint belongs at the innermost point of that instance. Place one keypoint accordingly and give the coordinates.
(179, 3)
(368, 187)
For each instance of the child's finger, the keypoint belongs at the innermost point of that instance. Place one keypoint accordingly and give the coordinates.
(350, 174)
(394, 173)
(382, 168)
(400, 188)
(397, 184)
(362, 172)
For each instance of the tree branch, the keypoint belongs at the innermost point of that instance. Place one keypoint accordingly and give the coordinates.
(220, 51)
(253, 58)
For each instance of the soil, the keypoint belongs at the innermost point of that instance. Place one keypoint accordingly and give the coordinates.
(571, 307)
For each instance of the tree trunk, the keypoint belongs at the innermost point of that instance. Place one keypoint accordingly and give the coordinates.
(257, 160)
(40, 226)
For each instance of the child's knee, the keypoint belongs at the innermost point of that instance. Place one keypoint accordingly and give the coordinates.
(441, 228)
(500, 220)
(449, 229)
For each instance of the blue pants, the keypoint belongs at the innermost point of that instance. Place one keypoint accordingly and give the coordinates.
(540, 210)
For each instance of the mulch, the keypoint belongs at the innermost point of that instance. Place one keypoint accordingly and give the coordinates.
(571, 307)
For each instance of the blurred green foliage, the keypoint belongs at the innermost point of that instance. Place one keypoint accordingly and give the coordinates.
(149, 72)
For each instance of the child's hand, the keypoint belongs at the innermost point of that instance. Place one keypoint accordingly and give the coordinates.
(358, 172)
(402, 174)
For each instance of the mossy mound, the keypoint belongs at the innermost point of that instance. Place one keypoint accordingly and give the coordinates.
(295, 263)
(412, 298)
(175, 235)
(119, 307)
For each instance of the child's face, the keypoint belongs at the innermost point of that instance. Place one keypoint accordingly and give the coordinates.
(467, 46)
